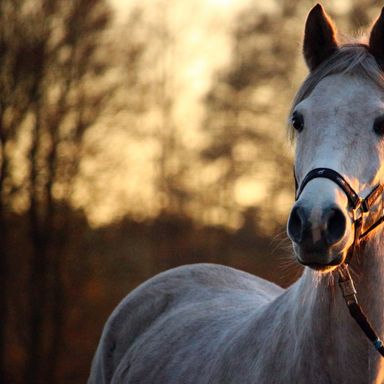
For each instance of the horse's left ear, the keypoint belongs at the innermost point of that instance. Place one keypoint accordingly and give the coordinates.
(376, 40)
(319, 37)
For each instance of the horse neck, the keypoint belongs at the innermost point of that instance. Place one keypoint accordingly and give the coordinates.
(322, 320)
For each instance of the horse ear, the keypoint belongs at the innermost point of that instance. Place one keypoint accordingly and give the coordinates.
(319, 37)
(376, 40)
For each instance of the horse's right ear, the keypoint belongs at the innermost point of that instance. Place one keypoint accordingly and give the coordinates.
(319, 38)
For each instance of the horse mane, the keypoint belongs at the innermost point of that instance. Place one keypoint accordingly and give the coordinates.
(352, 59)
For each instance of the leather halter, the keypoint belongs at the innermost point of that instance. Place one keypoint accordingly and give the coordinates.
(367, 214)
(365, 217)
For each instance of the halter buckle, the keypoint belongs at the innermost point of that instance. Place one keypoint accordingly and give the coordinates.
(346, 284)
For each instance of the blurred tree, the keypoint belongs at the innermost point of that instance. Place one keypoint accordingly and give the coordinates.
(361, 14)
(247, 106)
(171, 159)
(52, 93)
(158, 85)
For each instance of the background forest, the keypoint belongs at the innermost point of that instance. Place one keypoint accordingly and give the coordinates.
(135, 137)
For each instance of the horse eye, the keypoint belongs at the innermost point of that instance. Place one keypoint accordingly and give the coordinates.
(378, 126)
(297, 121)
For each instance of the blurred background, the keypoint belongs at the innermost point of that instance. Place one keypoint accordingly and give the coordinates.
(136, 136)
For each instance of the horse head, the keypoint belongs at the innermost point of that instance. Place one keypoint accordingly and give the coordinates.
(338, 126)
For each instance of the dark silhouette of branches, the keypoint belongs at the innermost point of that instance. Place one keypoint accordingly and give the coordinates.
(51, 60)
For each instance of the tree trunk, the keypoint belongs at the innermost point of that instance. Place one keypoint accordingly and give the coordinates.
(3, 266)
(57, 313)
(38, 269)
(56, 287)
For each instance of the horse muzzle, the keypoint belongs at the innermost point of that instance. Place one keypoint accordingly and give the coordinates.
(321, 231)
(319, 235)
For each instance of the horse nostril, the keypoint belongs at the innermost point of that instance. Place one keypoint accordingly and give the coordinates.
(296, 224)
(336, 225)
(332, 227)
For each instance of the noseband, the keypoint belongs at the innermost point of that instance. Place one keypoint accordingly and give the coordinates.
(367, 214)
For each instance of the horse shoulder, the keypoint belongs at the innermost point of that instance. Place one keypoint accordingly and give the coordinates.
(153, 299)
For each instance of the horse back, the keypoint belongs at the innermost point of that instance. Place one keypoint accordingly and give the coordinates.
(190, 291)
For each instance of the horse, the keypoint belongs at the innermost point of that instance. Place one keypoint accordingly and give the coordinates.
(212, 324)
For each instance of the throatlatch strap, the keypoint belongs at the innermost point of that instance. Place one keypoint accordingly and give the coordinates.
(349, 293)
(363, 322)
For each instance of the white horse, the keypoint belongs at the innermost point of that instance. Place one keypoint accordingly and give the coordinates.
(201, 324)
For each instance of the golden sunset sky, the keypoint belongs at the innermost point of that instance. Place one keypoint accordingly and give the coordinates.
(202, 46)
